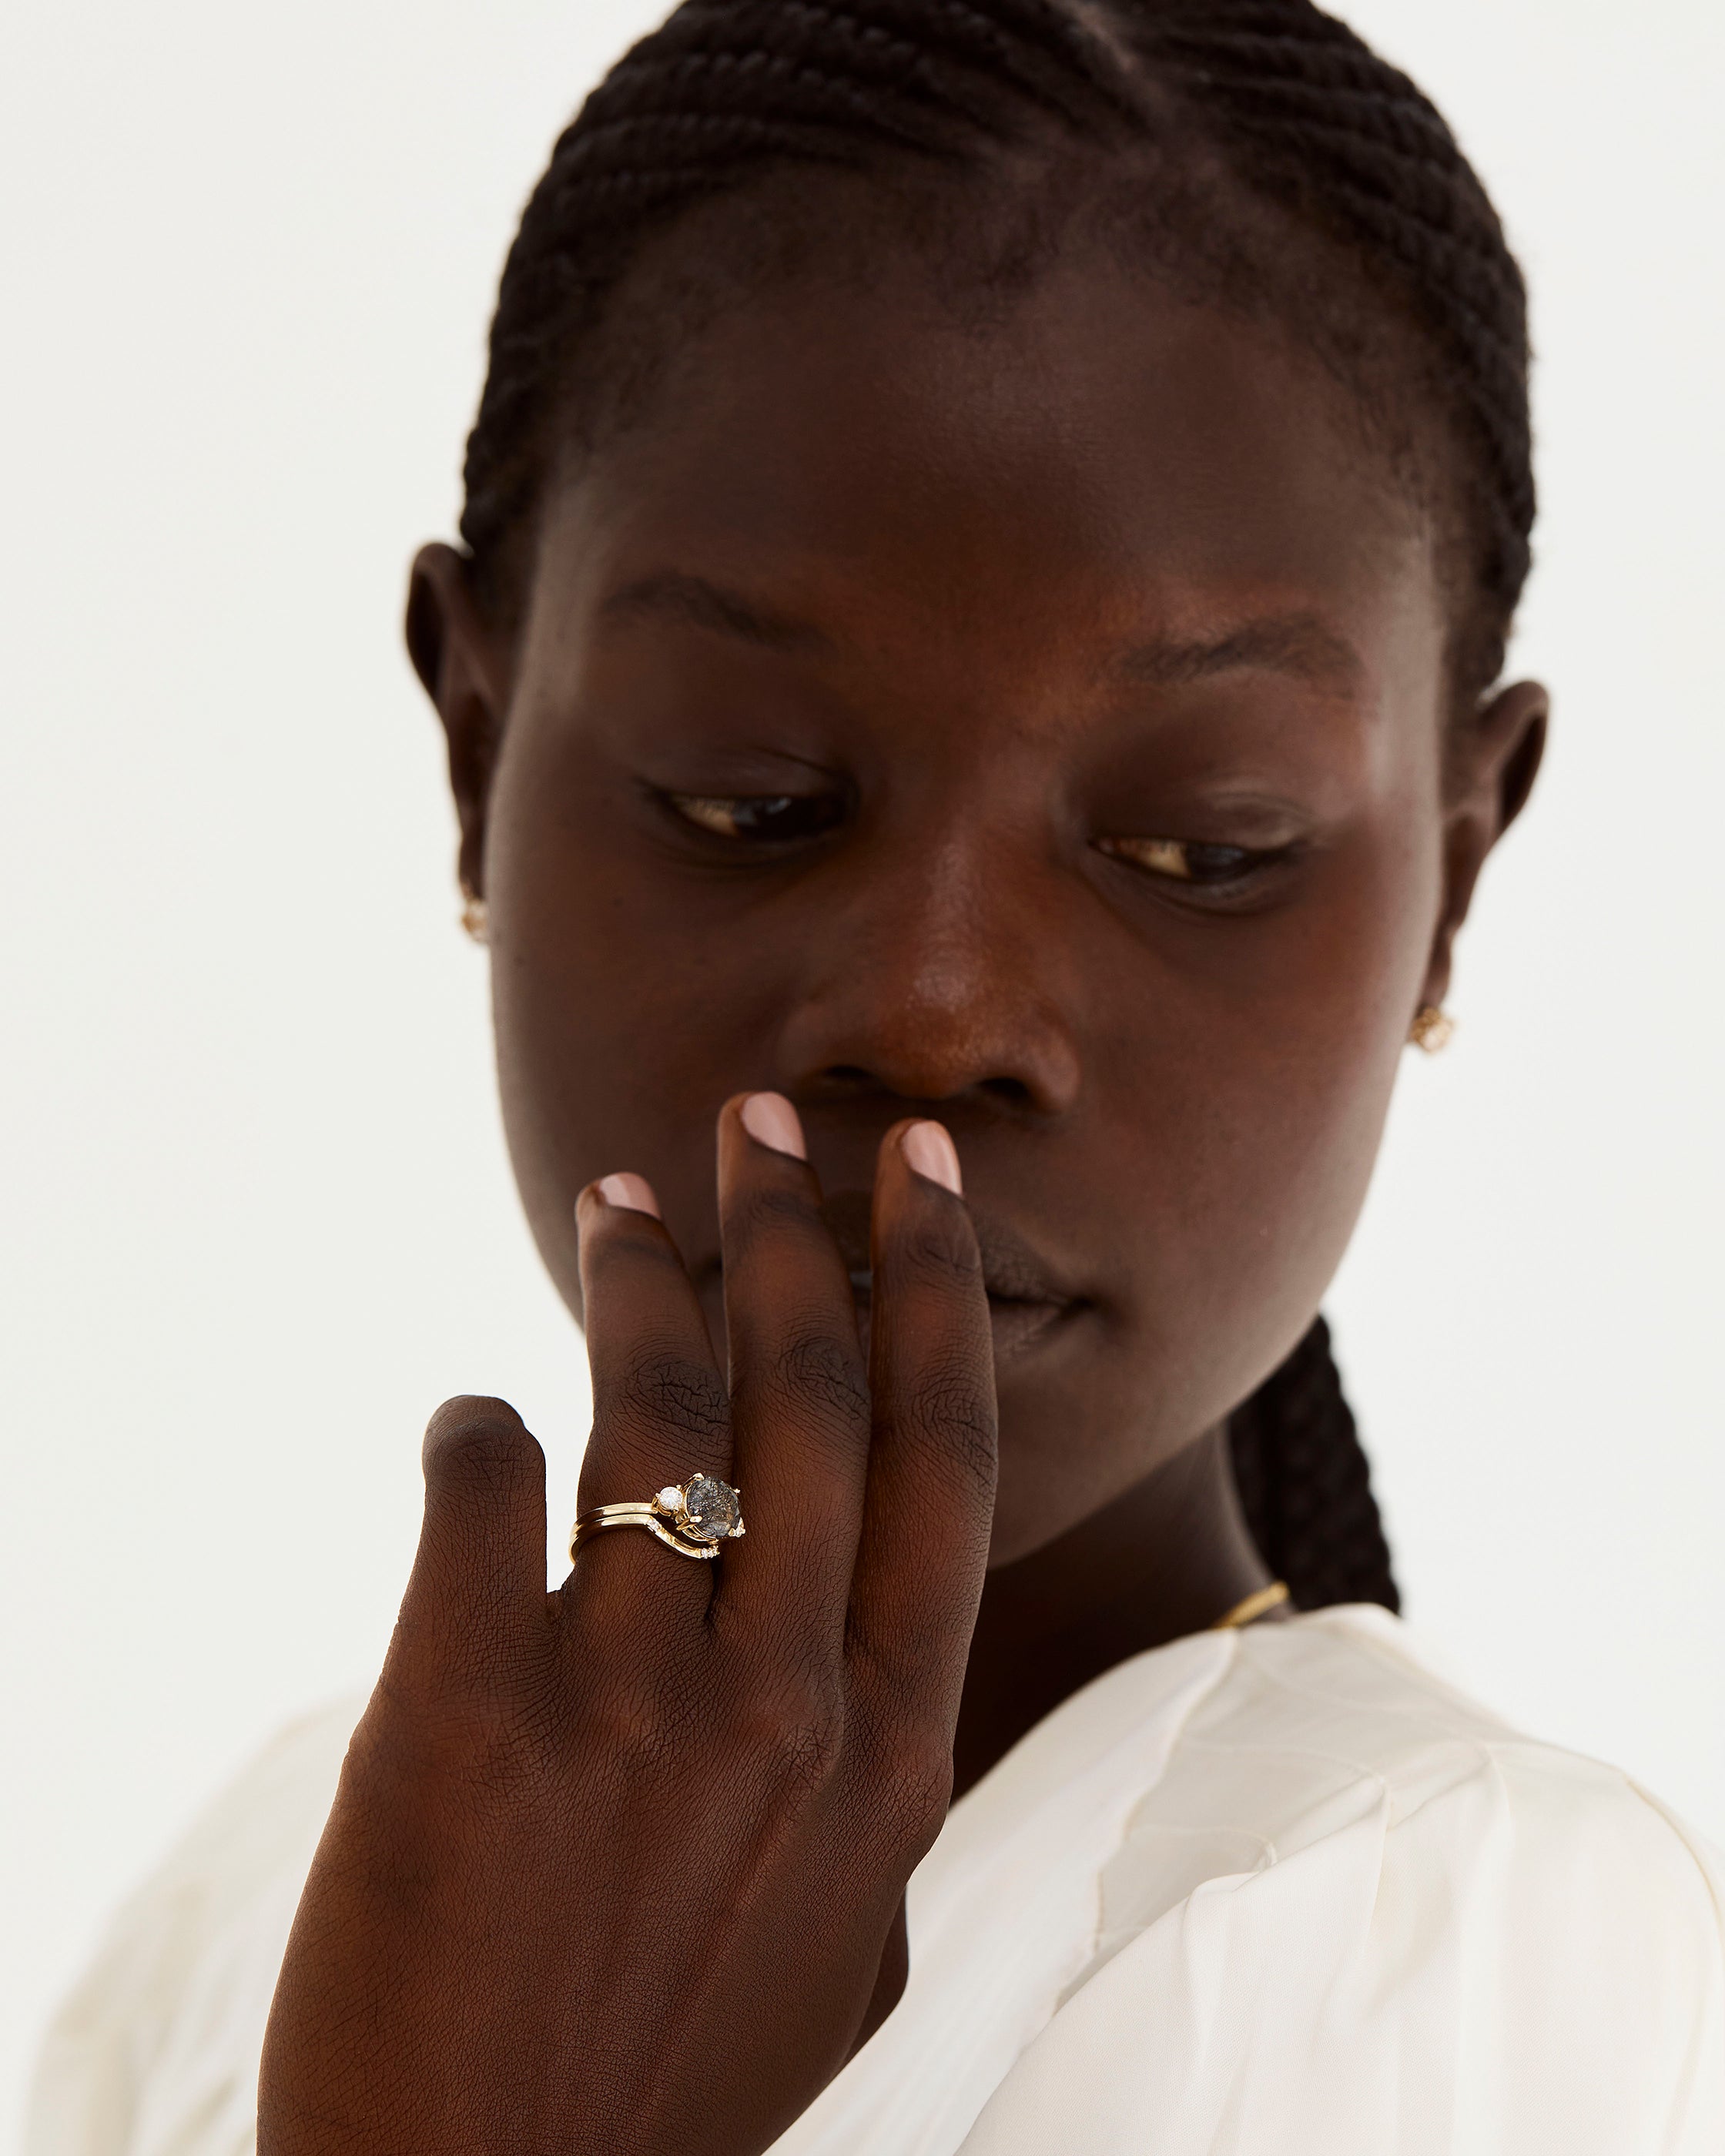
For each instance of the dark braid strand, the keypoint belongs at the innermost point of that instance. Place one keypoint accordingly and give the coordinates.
(1306, 1486)
(1303, 113)
(726, 91)
(1312, 117)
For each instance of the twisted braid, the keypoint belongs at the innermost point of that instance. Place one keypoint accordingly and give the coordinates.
(1301, 116)
(1306, 1486)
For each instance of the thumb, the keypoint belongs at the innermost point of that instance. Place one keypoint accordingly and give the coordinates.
(478, 1585)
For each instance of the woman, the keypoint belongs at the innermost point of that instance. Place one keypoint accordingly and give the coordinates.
(991, 536)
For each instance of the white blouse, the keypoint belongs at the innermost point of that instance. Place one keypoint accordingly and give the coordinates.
(1278, 1892)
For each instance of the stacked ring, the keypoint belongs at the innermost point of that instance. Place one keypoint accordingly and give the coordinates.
(691, 1517)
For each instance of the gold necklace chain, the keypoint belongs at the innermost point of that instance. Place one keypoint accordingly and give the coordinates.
(1251, 1607)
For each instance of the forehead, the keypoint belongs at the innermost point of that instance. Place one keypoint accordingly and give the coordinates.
(1097, 448)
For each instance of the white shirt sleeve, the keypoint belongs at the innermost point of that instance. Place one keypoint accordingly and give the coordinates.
(1528, 1962)
(155, 2052)
(1287, 1896)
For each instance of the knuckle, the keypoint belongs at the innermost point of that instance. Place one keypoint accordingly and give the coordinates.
(631, 1730)
(914, 1782)
(675, 1391)
(632, 1244)
(768, 1210)
(468, 1737)
(799, 1758)
(482, 1446)
(936, 1250)
(816, 1367)
(958, 1419)
(793, 1735)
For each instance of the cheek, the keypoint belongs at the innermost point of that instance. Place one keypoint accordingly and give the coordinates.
(1274, 1086)
(619, 1034)
(1236, 1109)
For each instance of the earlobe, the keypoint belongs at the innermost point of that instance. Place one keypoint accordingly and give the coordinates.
(456, 657)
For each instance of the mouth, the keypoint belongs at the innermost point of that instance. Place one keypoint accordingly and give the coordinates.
(1017, 1324)
(1026, 1303)
(1029, 1304)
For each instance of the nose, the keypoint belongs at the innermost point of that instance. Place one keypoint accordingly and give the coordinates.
(940, 976)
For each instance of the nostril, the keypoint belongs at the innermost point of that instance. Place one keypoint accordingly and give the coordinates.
(841, 1079)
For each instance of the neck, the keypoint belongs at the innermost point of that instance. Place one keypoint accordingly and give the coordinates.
(1167, 1558)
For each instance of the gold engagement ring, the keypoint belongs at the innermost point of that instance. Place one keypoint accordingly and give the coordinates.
(691, 1517)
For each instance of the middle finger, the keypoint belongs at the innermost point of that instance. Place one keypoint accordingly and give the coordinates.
(799, 1393)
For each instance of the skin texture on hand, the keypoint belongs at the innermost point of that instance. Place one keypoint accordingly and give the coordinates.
(616, 1869)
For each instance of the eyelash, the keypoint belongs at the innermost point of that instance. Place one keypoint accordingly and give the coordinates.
(746, 818)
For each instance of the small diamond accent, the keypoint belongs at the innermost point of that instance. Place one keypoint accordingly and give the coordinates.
(714, 1510)
(670, 1499)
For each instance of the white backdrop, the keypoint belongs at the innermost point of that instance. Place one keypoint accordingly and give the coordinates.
(258, 1215)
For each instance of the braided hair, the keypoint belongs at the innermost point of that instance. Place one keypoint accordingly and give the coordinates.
(1311, 140)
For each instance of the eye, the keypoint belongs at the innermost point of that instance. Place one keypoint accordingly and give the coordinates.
(1189, 861)
(769, 819)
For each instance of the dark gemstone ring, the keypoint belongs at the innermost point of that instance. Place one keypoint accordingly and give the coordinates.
(691, 1517)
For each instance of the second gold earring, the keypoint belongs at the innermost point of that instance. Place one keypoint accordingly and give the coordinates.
(1433, 1030)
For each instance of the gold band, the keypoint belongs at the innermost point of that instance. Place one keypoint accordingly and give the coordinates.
(1258, 1604)
(691, 1517)
(635, 1516)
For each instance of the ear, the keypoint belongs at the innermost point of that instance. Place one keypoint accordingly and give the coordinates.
(459, 660)
(1491, 769)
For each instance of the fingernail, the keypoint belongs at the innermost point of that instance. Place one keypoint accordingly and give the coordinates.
(930, 1150)
(634, 1193)
(771, 1120)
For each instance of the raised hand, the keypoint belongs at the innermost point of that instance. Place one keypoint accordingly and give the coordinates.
(614, 1869)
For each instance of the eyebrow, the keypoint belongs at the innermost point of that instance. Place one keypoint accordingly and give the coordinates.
(1296, 643)
(1300, 645)
(672, 595)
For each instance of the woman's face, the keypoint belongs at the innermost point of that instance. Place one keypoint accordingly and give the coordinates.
(1040, 728)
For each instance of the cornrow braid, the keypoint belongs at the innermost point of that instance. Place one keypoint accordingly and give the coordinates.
(1309, 115)
(1300, 115)
(724, 92)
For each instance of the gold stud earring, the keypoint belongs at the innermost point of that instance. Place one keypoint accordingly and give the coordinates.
(476, 915)
(1433, 1030)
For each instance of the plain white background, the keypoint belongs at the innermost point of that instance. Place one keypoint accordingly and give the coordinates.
(258, 1215)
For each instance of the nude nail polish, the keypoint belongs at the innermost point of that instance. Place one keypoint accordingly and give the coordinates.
(930, 1150)
(771, 1120)
(634, 1193)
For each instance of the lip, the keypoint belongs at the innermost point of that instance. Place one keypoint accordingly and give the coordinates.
(1016, 1323)
(1026, 1299)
